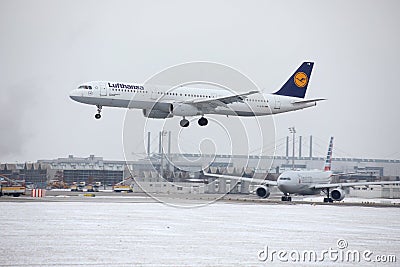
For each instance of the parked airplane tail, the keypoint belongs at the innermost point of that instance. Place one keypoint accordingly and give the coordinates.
(297, 84)
(328, 161)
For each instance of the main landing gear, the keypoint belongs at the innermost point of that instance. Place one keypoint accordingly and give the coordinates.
(328, 198)
(202, 121)
(98, 115)
(286, 197)
(185, 123)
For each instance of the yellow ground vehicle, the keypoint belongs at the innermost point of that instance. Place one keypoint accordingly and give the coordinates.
(92, 188)
(9, 187)
(76, 188)
(122, 188)
(56, 184)
(15, 191)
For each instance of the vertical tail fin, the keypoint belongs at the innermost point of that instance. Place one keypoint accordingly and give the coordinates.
(297, 84)
(328, 161)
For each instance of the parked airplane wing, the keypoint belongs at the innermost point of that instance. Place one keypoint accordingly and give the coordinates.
(222, 101)
(344, 173)
(246, 179)
(343, 185)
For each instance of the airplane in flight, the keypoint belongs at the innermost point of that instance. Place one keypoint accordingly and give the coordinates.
(305, 182)
(161, 102)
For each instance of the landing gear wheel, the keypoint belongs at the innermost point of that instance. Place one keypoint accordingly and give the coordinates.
(184, 123)
(202, 121)
(98, 115)
(286, 198)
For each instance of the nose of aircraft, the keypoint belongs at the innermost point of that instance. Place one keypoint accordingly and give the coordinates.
(286, 186)
(281, 186)
(74, 94)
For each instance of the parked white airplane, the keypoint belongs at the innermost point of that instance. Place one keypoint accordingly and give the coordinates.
(308, 182)
(159, 102)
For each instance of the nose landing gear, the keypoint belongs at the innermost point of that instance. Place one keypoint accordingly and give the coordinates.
(184, 122)
(286, 197)
(98, 115)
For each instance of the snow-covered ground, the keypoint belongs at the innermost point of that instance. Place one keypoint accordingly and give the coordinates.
(153, 234)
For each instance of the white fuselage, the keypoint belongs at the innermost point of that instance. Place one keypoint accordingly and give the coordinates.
(127, 95)
(299, 182)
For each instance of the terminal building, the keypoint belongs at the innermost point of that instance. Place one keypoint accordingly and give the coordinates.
(89, 170)
(31, 173)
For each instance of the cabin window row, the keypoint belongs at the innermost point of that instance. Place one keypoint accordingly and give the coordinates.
(255, 100)
(180, 94)
(129, 91)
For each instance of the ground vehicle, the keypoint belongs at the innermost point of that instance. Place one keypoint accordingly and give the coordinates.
(92, 188)
(56, 184)
(9, 187)
(15, 191)
(76, 188)
(122, 188)
(123, 185)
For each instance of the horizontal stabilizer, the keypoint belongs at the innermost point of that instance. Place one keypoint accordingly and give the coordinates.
(309, 101)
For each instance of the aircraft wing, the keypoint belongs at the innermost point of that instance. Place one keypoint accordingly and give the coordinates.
(246, 179)
(221, 101)
(344, 173)
(344, 185)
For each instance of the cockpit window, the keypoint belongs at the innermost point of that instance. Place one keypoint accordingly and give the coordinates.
(285, 178)
(85, 87)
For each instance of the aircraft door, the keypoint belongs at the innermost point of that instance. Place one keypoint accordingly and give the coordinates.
(277, 103)
(103, 89)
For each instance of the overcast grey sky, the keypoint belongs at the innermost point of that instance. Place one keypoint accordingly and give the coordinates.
(49, 47)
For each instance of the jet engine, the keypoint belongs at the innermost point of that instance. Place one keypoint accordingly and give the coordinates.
(158, 111)
(184, 110)
(156, 114)
(262, 191)
(338, 194)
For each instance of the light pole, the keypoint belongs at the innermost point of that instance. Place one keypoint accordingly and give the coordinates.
(162, 134)
(292, 130)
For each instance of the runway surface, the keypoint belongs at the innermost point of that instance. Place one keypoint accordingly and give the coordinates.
(107, 233)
